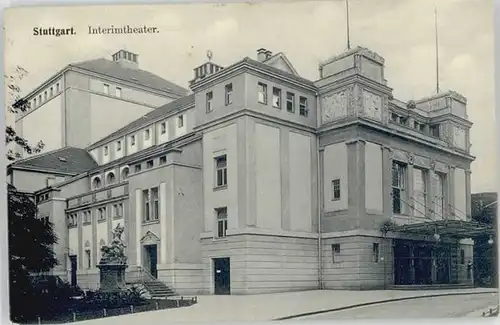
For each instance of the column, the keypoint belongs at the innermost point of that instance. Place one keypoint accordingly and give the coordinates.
(285, 178)
(138, 223)
(110, 213)
(94, 236)
(163, 223)
(386, 180)
(356, 179)
(450, 194)
(80, 241)
(430, 199)
(409, 194)
(468, 194)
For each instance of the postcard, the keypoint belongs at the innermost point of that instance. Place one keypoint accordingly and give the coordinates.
(260, 161)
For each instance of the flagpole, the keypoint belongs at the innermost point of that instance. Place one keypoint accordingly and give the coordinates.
(437, 50)
(347, 22)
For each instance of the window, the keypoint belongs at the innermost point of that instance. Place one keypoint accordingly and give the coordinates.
(180, 121)
(111, 178)
(102, 213)
(96, 183)
(40, 99)
(209, 97)
(118, 92)
(163, 128)
(221, 222)
(276, 97)
(137, 168)
(149, 164)
(156, 203)
(462, 256)
(51, 91)
(57, 87)
(290, 102)
(395, 117)
(376, 252)
(335, 252)
(147, 135)
(72, 220)
(163, 160)
(336, 190)
(119, 211)
(420, 192)
(398, 186)
(87, 217)
(145, 200)
(262, 93)
(34, 102)
(132, 140)
(118, 145)
(125, 173)
(45, 95)
(88, 258)
(403, 120)
(106, 150)
(229, 94)
(221, 171)
(106, 89)
(438, 190)
(303, 106)
(434, 130)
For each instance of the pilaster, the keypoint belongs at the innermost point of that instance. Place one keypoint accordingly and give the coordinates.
(468, 194)
(242, 166)
(430, 186)
(138, 222)
(110, 213)
(80, 241)
(285, 178)
(163, 223)
(450, 195)
(94, 236)
(251, 175)
(409, 195)
(356, 179)
(386, 180)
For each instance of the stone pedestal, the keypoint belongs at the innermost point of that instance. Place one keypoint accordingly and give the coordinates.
(112, 277)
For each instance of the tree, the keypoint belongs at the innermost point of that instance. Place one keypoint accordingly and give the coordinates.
(17, 105)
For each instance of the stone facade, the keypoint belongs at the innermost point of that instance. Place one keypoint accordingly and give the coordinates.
(288, 178)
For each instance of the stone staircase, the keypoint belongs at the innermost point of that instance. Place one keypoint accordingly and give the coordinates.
(155, 288)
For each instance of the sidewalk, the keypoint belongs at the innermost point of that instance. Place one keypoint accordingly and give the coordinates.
(479, 312)
(267, 307)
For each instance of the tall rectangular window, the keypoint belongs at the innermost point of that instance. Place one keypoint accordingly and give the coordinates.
(335, 252)
(303, 110)
(398, 187)
(419, 192)
(163, 128)
(132, 140)
(45, 96)
(434, 130)
(106, 89)
(147, 135)
(120, 210)
(221, 222)
(88, 258)
(145, 202)
(376, 252)
(221, 171)
(51, 91)
(229, 94)
(40, 99)
(118, 92)
(180, 121)
(336, 189)
(262, 88)
(118, 145)
(276, 97)
(438, 181)
(106, 150)
(34, 102)
(290, 102)
(155, 203)
(102, 213)
(209, 98)
(57, 87)
(150, 164)
(137, 168)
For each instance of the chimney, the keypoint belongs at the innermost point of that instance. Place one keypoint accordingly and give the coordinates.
(268, 54)
(126, 59)
(262, 55)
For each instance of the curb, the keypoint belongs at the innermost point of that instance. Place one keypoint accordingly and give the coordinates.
(378, 302)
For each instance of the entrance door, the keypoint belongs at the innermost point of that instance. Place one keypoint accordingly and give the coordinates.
(222, 276)
(423, 264)
(74, 265)
(442, 266)
(152, 259)
(402, 263)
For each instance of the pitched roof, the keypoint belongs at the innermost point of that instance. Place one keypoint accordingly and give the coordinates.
(280, 56)
(136, 76)
(67, 160)
(149, 118)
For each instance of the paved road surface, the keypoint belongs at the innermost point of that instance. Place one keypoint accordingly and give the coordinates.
(447, 306)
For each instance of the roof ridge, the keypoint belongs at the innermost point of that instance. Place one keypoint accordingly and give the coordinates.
(43, 154)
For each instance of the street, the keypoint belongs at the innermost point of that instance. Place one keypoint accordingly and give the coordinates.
(447, 306)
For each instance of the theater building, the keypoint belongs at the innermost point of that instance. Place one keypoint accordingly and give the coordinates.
(261, 181)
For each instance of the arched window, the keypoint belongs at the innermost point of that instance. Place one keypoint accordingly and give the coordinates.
(111, 178)
(125, 172)
(96, 183)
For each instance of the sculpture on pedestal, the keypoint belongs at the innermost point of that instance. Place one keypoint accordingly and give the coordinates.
(113, 263)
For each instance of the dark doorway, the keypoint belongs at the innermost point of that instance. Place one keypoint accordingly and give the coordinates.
(422, 255)
(442, 265)
(74, 266)
(222, 276)
(402, 263)
(151, 259)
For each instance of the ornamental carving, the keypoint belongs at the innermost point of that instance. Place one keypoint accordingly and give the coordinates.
(372, 105)
(433, 165)
(114, 253)
(334, 106)
(411, 158)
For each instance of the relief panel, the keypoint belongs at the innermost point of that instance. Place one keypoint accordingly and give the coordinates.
(372, 105)
(459, 137)
(334, 106)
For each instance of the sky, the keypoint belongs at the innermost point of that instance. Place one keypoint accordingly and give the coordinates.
(308, 32)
